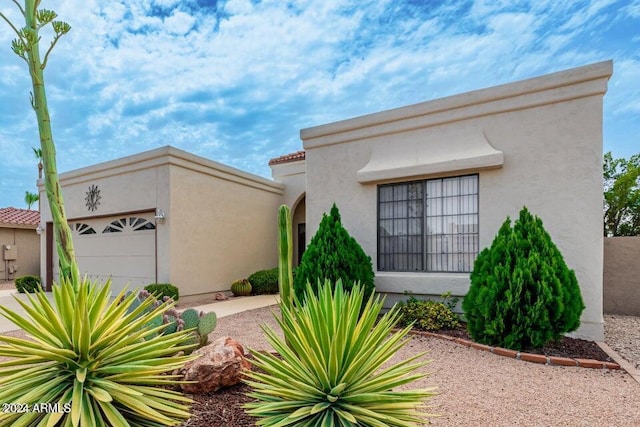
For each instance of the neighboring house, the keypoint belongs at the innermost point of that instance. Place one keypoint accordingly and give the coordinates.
(423, 189)
(19, 243)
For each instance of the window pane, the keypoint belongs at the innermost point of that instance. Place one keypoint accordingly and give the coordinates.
(400, 209)
(439, 216)
(386, 194)
(400, 192)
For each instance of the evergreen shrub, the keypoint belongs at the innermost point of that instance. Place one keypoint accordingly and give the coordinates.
(264, 282)
(428, 315)
(29, 284)
(522, 294)
(161, 290)
(334, 255)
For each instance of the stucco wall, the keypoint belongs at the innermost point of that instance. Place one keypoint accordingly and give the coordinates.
(622, 275)
(221, 228)
(28, 260)
(130, 184)
(549, 131)
(220, 222)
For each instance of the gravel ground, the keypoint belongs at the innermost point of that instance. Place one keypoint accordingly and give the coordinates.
(622, 333)
(480, 388)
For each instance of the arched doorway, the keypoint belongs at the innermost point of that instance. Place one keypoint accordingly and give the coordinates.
(298, 223)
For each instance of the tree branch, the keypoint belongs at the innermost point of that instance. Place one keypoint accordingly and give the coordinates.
(11, 25)
(46, 55)
(19, 7)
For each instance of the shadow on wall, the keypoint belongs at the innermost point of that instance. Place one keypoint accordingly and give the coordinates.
(621, 287)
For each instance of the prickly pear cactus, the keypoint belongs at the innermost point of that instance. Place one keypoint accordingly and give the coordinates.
(172, 324)
(153, 323)
(134, 305)
(194, 339)
(208, 323)
(191, 318)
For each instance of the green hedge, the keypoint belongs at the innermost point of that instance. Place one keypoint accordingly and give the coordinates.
(264, 282)
(28, 284)
(428, 315)
(163, 289)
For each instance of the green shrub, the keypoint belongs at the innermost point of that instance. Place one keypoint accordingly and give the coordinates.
(522, 294)
(264, 282)
(161, 290)
(333, 254)
(103, 364)
(332, 369)
(428, 315)
(28, 284)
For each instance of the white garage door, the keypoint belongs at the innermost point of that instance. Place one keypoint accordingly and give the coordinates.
(121, 247)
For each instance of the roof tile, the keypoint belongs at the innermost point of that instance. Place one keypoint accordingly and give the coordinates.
(293, 157)
(19, 216)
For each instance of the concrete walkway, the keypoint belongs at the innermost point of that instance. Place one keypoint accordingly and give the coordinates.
(222, 308)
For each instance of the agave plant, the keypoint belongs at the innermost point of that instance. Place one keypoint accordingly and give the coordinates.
(88, 358)
(330, 371)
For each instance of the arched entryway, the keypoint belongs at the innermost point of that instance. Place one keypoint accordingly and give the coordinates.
(298, 223)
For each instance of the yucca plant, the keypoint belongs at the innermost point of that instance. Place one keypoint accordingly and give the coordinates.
(91, 358)
(331, 371)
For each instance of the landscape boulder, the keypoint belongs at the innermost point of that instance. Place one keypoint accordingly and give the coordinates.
(220, 365)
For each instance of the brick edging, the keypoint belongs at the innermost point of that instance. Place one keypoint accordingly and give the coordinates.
(527, 357)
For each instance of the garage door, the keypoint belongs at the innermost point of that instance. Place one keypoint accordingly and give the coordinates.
(121, 247)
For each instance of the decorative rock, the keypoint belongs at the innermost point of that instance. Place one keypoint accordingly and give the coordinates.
(220, 365)
(221, 297)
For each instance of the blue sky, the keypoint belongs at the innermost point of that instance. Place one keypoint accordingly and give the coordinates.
(235, 81)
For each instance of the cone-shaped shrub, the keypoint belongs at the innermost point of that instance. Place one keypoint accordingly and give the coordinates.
(522, 293)
(333, 254)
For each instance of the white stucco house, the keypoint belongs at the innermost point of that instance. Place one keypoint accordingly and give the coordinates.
(423, 188)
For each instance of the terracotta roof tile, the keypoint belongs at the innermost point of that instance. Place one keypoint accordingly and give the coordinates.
(19, 216)
(293, 157)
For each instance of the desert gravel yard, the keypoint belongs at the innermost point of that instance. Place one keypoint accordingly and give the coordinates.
(477, 388)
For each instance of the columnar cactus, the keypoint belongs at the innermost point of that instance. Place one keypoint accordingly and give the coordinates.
(285, 254)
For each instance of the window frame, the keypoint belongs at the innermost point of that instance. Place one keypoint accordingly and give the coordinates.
(425, 250)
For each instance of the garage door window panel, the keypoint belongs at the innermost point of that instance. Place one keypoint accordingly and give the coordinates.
(133, 223)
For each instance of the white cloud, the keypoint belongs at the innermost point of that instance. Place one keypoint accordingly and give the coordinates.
(633, 9)
(238, 7)
(237, 84)
(179, 23)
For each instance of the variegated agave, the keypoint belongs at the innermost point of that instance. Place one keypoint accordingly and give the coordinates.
(94, 358)
(331, 370)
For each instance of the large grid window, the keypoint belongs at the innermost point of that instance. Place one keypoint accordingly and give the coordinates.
(428, 225)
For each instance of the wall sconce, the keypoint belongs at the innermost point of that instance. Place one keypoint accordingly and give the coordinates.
(39, 229)
(160, 215)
